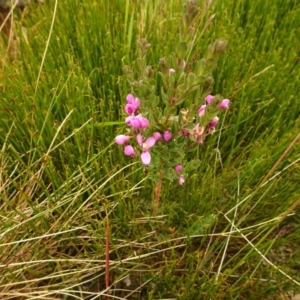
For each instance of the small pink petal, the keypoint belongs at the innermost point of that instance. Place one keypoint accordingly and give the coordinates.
(135, 123)
(181, 180)
(137, 103)
(129, 151)
(128, 120)
(201, 110)
(150, 141)
(144, 123)
(139, 139)
(146, 158)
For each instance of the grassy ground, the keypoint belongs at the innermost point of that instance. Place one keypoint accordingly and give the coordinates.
(68, 194)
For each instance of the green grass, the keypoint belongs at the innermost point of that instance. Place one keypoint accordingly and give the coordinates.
(231, 232)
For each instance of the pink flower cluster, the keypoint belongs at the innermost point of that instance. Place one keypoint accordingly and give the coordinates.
(199, 132)
(132, 120)
(208, 99)
(143, 143)
(139, 124)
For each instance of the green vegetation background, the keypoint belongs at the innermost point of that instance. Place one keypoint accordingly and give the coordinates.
(62, 178)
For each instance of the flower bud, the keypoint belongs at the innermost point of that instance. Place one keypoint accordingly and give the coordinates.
(171, 71)
(220, 46)
(209, 98)
(129, 151)
(181, 180)
(224, 104)
(214, 122)
(178, 168)
(149, 71)
(157, 136)
(130, 99)
(121, 139)
(167, 135)
(201, 110)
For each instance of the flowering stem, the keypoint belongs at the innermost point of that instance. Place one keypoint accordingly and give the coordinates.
(157, 193)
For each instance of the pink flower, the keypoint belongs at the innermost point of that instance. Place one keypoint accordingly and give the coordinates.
(132, 121)
(132, 104)
(185, 133)
(224, 104)
(130, 98)
(137, 122)
(129, 109)
(167, 135)
(121, 139)
(214, 122)
(209, 98)
(149, 143)
(129, 151)
(157, 136)
(201, 110)
(198, 131)
(181, 180)
(178, 168)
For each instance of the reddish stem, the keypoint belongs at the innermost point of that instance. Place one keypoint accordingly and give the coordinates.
(107, 258)
(157, 193)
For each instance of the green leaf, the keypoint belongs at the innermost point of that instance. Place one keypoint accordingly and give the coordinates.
(200, 67)
(192, 165)
(202, 225)
(191, 78)
(164, 97)
(144, 91)
(155, 101)
(181, 49)
(169, 111)
(193, 148)
(199, 79)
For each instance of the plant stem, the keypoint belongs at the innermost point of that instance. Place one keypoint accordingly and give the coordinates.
(157, 193)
